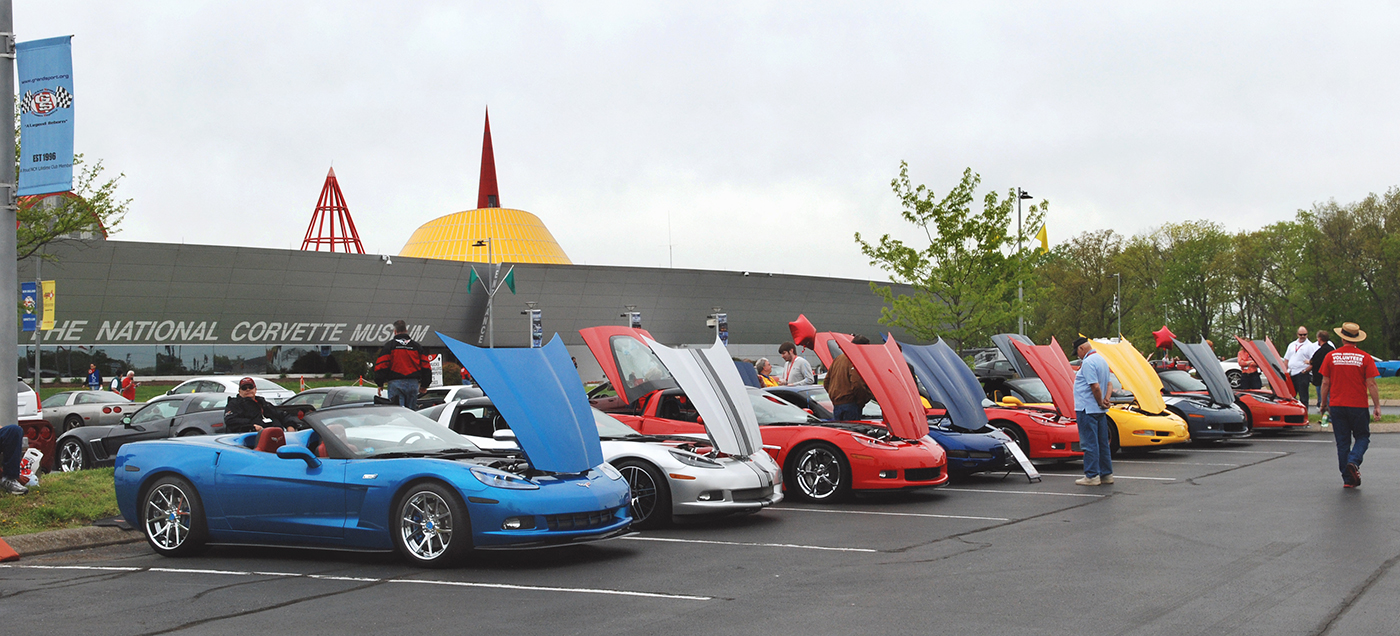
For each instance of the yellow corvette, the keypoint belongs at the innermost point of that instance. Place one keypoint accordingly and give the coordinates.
(1145, 423)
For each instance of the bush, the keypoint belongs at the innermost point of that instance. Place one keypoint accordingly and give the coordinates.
(451, 373)
(354, 364)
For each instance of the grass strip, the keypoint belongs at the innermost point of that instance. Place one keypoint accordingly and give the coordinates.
(62, 500)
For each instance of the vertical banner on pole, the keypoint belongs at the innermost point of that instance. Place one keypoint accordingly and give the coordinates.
(46, 115)
(536, 328)
(634, 319)
(722, 326)
(46, 319)
(29, 297)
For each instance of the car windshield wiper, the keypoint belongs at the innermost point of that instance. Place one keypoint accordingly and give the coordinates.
(444, 453)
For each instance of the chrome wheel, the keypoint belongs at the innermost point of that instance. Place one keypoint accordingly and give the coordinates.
(819, 473)
(168, 521)
(426, 525)
(71, 422)
(643, 492)
(70, 457)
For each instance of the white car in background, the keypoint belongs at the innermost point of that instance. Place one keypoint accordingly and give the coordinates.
(28, 401)
(267, 389)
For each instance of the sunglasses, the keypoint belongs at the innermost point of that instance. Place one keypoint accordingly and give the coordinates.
(246, 387)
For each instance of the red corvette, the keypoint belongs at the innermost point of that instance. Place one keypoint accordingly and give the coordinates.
(1276, 407)
(821, 461)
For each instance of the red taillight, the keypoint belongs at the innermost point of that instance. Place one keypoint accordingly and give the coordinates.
(116, 409)
(46, 434)
(38, 403)
(31, 432)
(106, 409)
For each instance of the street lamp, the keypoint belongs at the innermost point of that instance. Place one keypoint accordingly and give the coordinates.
(1020, 291)
(1118, 302)
(490, 292)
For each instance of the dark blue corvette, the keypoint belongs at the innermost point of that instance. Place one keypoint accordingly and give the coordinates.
(386, 478)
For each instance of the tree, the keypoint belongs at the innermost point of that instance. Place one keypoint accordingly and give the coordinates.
(1078, 275)
(92, 208)
(965, 278)
(1361, 245)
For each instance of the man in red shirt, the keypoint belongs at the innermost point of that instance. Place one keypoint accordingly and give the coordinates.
(1348, 376)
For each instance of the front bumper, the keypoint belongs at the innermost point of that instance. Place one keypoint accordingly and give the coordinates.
(742, 486)
(1141, 430)
(904, 467)
(1267, 413)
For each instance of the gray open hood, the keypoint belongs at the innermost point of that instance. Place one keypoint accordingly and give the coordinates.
(712, 383)
(1203, 360)
(1018, 362)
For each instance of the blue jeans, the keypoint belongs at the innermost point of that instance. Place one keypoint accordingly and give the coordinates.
(404, 393)
(11, 438)
(848, 412)
(1096, 443)
(1301, 382)
(1350, 422)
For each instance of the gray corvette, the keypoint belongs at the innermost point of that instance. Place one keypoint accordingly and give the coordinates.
(71, 409)
(165, 416)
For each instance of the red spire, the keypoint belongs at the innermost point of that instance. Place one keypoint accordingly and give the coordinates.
(330, 210)
(487, 194)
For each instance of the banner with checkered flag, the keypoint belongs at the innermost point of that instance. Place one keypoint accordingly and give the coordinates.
(46, 110)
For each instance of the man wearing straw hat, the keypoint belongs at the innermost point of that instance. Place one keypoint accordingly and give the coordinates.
(1348, 377)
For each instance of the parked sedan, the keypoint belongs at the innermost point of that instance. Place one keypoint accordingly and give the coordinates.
(326, 397)
(169, 416)
(267, 389)
(71, 409)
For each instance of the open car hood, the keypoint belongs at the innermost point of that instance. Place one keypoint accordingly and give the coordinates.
(1004, 341)
(948, 380)
(539, 393)
(1203, 360)
(828, 346)
(1271, 367)
(884, 370)
(1134, 372)
(631, 367)
(1052, 367)
(713, 385)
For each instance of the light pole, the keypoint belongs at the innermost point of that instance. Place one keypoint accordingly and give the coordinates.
(1118, 302)
(490, 292)
(1020, 260)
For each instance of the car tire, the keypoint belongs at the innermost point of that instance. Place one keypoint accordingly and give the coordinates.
(71, 422)
(651, 493)
(1236, 378)
(432, 529)
(172, 517)
(817, 472)
(1114, 449)
(1015, 433)
(72, 457)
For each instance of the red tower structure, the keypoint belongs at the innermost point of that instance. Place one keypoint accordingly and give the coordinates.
(487, 194)
(330, 211)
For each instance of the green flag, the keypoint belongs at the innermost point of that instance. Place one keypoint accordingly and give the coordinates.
(471, 280)
(510, 279)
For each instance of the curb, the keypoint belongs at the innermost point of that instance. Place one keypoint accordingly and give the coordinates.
(70, 539)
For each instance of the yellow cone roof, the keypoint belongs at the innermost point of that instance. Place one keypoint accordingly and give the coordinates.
(516, 237)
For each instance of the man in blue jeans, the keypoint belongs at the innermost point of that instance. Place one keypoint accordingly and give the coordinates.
(1091, 391)
(1348, 378)
(11, 452)
(403, 367)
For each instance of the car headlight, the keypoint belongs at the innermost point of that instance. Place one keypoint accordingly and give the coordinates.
(502, 479)
(607, 469)
(691, 459)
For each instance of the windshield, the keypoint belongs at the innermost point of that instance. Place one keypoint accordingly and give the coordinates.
(771, 410)
(1032, 390)
(373, 432)
(1176, 381)
(822, 399)
(608, 426)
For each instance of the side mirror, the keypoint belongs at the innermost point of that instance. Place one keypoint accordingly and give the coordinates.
(170, 392)
(503, 435)
(1012, 400)
(126, 421)
(288, 451)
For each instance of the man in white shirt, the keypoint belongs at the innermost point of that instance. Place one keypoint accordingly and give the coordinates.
(798, 371)
(1298, 359)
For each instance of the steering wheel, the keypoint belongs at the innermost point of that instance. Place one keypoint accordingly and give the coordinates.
(412, 438)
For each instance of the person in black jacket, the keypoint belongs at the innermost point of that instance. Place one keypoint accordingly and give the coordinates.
(1324, 347)
(402, 366)
(247, 412)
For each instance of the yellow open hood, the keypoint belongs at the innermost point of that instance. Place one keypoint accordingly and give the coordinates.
(1134, 372)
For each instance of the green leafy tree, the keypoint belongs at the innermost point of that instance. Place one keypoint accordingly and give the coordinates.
(1078, 276)
(965, 278)
(92, 209)
(1361, 243)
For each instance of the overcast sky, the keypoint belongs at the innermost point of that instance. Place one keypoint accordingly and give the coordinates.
(750, 135)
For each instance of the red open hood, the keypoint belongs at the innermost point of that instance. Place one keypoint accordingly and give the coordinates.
(629, 363)
(1050, 363)
(887, 374)
(1277, 384)
(828, 345)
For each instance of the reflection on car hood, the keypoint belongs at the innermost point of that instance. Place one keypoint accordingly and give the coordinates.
(1004, 341)
(1051, 365)
(540, 393)
(1271, 367)
(885, 372)
(1203, 360)
(1134, 372)
(712, 384)
(828, 346)
(948, 380)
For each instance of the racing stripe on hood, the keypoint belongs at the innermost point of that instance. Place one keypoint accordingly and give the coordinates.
(712, 383)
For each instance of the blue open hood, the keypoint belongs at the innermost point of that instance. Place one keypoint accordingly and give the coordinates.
(540, 394)
(948, 380)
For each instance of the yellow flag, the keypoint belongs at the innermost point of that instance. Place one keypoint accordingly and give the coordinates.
(1044, 239)
(46, 318)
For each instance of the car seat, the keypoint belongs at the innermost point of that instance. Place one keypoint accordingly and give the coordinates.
(270, 439)
(338, 431)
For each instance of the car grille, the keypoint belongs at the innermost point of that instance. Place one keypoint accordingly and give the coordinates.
(752, 494)
(579, 520)
(923, 474)
(1294, 419)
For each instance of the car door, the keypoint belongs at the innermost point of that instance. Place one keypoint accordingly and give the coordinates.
(153, 421)
(261, 492)
(55, 408)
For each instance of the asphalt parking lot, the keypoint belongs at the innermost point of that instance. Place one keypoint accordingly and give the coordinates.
(1254, 537)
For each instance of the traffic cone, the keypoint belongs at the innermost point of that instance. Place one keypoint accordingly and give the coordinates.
(7, 553)
(303, 384)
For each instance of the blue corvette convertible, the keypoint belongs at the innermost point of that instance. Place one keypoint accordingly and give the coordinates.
(386, 478)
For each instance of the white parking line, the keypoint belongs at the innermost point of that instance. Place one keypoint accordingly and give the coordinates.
(1218, 450)
(1294, 441)
(752, 545)
(1115, 476)
(499, 586)
(1023, 492)
(1148, 461)
(889, 514)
